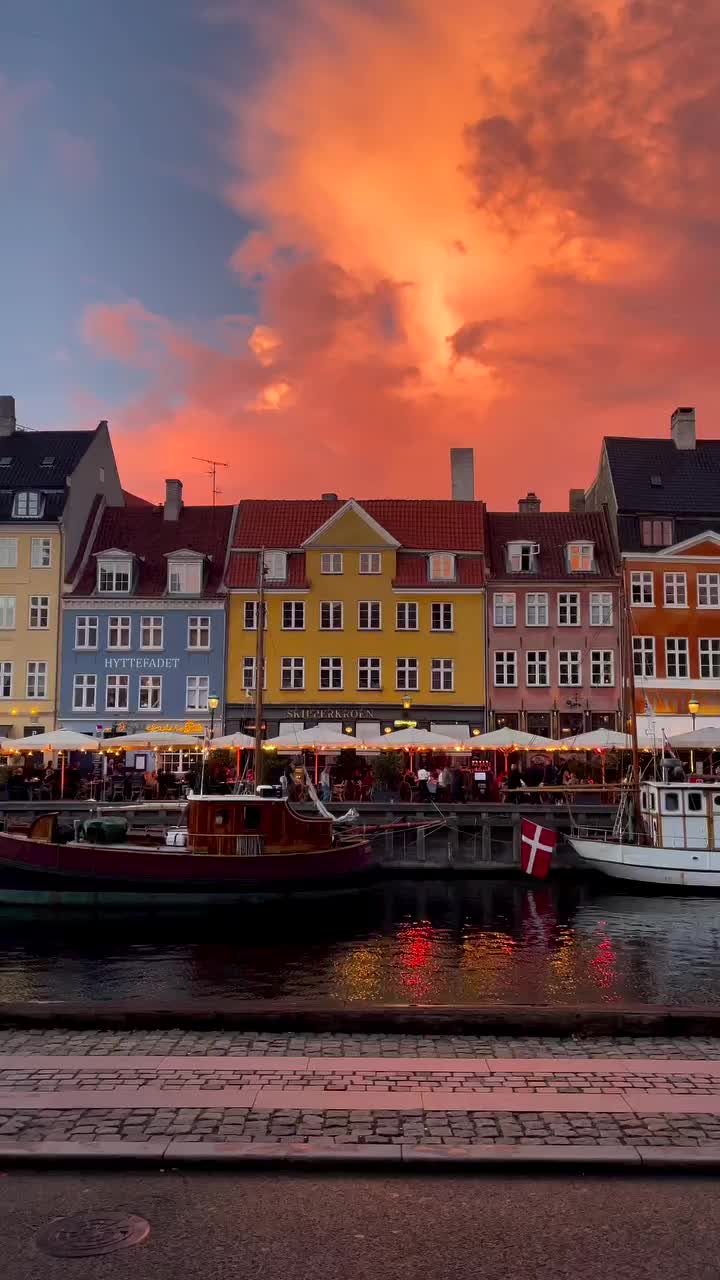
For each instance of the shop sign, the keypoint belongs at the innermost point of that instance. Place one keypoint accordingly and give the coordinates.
(327, 713)
(141, 664)
(190, 726)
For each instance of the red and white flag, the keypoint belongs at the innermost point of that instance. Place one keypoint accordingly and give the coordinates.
(537, 846)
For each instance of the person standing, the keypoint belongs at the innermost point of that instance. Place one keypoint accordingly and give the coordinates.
(325, 785)
(423, 778)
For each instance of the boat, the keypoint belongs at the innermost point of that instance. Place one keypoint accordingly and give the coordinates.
(234, 847)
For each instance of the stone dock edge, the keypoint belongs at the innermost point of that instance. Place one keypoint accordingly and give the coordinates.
(164, 1153)
(337, 1016)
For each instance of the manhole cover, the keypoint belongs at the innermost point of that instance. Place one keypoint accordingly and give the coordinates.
(87, 1235)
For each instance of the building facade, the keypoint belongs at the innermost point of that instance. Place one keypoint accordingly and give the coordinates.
(49, 480)
(374, 614)
(144, 619)
(553, 622)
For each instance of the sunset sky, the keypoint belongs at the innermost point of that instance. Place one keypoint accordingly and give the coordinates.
(326, 240)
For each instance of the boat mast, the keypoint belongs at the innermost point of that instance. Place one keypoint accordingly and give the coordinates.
(630, 688)
(259, 665)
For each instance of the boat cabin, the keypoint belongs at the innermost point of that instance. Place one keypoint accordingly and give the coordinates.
(680, 814)
(251, 825)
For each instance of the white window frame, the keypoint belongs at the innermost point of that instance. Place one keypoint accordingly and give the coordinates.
(251, 608)
(407, 675)
(199, 628)
(656, 533)
(708, 584)
(331, 562)
(444, 611)
(441, 566)
(642, 581)
(522, 556)
(87, 623)
(36, 679)
(149, 684)
(370, 562)
(602, 661)
(114, 570)
(121, 685)
(28, 504)
(85, 682)
(370, 605)
(402, 614)
(150, 623)
(678, 648)
(505, 664)
(41, 553)
(328, 670)
(584, 554)
(8, 613)
(675, 590)
(505, 609)
(248, 673)
(442, 675)
(7, 673)
(39, 608)
(567, 602)
(291, 668)
(330, 609)
(644, 648)
(184, 577)
(201, 688)
(537, 664)
(571, 660)
(9, 553)
(708, 649)
(292, 613)
(121, 625)
(540, 601)
(275, 566)
(369, 669)
(601, 609)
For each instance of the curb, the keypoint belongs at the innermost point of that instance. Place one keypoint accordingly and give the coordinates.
(161, 1153)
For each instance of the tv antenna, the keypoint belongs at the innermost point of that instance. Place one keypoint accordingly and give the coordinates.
(213, 464)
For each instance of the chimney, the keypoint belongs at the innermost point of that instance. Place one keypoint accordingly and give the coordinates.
(529, 505)
(8, 424)
(173, 499)
(577, 500)
(462, 470)
(682, 428)
(328, 497)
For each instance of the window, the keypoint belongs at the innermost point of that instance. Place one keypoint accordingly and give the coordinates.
(8, 553)
(441, 617)
(151, 633)
(642, 588)
(537, 667)
(602, 667)
(29, 505)
(198, 633)
(331, 673)
(569, 667)
(117, 693)
(708, 590)
(185, 577)
(601, 609)
(522, 557)
(370, 562)
(505, 667)
(406, 673)
(7, 613)
(150, 693)
(197, 690)
(369, 615)
(406, 617)
(248, 673)
(292, 673)
(36, 680)
(644, 656)
(369, 673)
(6, 679)
(331, 615)
(671, 802)
(710, 659)
(250, 615)
(39, 613)
(656, 533)
(442, 675)
(275, 565)
(536, 609)
(504, 610)
(293, 615)
(85, 691)
(441, 568)
(86, 632)
(41, 553)
(331, 562)
(676, 658)
(580, 557)
(114, 576)
(119, 633)
(568, 609)
(676, 590)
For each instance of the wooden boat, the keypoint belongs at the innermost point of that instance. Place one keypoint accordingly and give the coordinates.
(234, 847)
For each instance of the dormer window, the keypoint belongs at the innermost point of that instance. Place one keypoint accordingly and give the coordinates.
(580, 557)
(28, 504)
(185, 577)
(522, 557)
(441, 567)
(114, 576)
(275, 566)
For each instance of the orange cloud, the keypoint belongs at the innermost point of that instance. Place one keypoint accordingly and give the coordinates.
(492, 227)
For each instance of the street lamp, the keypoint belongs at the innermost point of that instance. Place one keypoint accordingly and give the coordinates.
(693, 708)
(407, 703)
(213, 704)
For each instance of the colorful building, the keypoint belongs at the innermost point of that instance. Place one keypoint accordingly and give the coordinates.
(48, 483)
(553, 622)
(143, 629)
(375, 614)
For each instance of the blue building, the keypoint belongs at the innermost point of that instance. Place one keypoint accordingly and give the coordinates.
(144, 619)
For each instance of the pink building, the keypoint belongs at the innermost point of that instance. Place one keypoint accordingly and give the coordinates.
(553, 622)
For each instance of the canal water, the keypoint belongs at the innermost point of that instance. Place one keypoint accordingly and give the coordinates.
(419, 941)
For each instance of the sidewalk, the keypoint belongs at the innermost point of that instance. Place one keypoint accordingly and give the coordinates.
(204, 1096)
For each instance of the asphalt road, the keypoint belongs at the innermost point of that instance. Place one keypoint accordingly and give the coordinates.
(307, 1227)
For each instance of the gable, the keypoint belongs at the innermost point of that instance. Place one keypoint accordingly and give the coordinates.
(351, 526)
(704, 544)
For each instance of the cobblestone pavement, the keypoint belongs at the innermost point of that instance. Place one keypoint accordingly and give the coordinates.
(179, 1043)
(338, 1128)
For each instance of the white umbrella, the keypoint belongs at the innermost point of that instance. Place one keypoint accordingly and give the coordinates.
(317, 739)
(233, 741)
(707, 737)
(598, 740)
(154, 740)
(513, 740)
(56, 740)
(413, 740)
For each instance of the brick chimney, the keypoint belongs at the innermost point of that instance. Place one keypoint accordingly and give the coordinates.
(529, 505)
(328, 497)
(173, 499)
(462, 471)
(8, 424)
(682, 428)
(577, 500)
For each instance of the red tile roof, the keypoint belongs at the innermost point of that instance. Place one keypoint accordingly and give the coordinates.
(552, 531)
(412, 571)
(143, 531)
(422, 524)
(242, 572)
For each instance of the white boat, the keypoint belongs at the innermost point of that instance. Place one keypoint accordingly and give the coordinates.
(677, 842)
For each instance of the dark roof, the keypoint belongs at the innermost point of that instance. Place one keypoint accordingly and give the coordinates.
(144, 532)
(133, 500)
(52, 510)
(629, 531)
(27, 451)
(552, 531)
(243, 567)
(424, 525)
(689, 478)
(412, 571)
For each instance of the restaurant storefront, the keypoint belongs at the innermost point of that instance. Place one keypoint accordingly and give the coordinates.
(360, 722)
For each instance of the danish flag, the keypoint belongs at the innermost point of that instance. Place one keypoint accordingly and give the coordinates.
(537, 846)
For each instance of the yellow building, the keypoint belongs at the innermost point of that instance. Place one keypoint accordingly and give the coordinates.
(370, 605)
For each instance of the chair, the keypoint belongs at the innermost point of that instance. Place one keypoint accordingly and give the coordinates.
(136, 790)
(118, 790)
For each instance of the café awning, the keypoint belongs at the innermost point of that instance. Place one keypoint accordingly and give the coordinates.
(56, 740)
(413, 740)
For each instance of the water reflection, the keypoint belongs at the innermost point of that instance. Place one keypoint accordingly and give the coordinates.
(457, 941)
